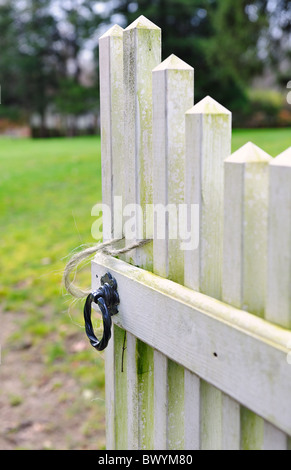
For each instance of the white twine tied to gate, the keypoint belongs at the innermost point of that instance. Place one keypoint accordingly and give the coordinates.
(105, 248)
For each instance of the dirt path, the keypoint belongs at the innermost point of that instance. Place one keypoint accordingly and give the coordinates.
(39, 410)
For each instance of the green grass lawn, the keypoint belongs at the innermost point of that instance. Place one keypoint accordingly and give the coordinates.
(272, 141)
(47, 191)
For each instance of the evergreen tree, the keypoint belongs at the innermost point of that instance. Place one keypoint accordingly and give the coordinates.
(277, 40)
(227, 42)
(185, 27)
(232, 52)
(218, 38)
(9, 62)
(40, 68)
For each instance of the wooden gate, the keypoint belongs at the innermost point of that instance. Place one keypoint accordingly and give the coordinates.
(200, 352)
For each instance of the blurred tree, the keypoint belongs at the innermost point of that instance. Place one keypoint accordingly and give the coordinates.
(73, 100)
(37, 34)
(232, 52)
(78, 23)
(9, 69)
(219, 38)
(185, 27)
(227, 42)
(277, 40)
(40, 63)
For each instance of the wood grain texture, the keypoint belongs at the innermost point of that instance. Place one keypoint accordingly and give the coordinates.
(111, 122)
(278, 299)
(112, 125)
(142, 52)
(278, 308)
(245, 252)
(173, 95)
(208, 143)
(222, 345)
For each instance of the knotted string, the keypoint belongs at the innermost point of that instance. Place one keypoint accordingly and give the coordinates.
(106, 248)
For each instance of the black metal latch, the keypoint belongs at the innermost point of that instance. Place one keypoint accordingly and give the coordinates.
(107, 299)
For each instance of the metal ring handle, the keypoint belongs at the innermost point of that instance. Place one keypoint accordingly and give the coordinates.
(107, 300)
(99, 345)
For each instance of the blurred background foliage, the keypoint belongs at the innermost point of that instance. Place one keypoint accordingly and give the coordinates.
(241, 52)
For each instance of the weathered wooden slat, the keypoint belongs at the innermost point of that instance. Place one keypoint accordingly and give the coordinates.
(211, 417)
(142, 52)
(112, 128)
(278, 308)
(111, 115)
(121, 394)
(245, 229)
(110, 393)
(131, 410)
(220, 419)
(274, 439)
(160, 431)
(230, 423)
(173, 95)
(245, 249)
(221, 344)
(278, 303)
(192, 411)
(208, 143)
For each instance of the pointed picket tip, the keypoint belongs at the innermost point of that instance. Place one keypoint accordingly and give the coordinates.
(249, 153)
(208, 106)
(142, 23)
(173, 62)
(284, 159)
(114, 31)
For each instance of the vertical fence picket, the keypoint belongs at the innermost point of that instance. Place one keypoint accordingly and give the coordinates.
(278, 300)
(160, 401)
(131, 405)
(209, 126)
(274, 438)
(245, 229)
(192, 411)
(120, 411)
(173, 94)
(111, 112)
(245, 249)
(111, 107)
(142, 52)
(208, 143)
(230, 423)
(278, 309)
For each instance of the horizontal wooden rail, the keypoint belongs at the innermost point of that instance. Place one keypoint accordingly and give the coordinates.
(242, 355)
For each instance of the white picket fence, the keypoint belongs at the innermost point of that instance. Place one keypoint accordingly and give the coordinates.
(204, 363)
